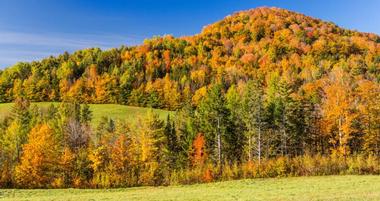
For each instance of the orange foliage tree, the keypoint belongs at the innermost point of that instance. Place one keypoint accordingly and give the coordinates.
(199, 155)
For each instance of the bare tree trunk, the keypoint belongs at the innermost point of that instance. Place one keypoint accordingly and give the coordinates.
(268, 143)
(284, 137)
(259, 137)
(377, 143)
(285, 145)
(340, 136)
(259, 146)
(249, 148)
(219, 143)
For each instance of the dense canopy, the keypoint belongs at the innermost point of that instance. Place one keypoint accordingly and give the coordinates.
(165, 72)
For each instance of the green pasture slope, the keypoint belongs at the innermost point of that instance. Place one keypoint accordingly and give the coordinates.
(113, 111)
(337, 188)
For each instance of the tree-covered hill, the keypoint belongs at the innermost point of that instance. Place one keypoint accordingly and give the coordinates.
(164, 72)
(262, 93)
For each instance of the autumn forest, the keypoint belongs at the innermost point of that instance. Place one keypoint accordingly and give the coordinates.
(262, 93)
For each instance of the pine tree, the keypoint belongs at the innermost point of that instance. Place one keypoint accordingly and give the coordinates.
(172, 142)
(253, 116)
(185, 129)
(86, 114)
(285, 117)
(213, 120)
(237, 127)
(22, 117)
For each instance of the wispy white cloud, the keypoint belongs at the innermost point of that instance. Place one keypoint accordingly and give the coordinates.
(9, 57)
(66, 40)
(19, 46)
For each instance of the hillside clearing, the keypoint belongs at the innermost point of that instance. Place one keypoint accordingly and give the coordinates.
(335, 188)
(114, 111)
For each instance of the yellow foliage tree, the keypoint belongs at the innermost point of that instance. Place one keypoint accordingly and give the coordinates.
(120, 161)
(39, 162)
(67, 160)
(339, 110)
(99, 158)
(171, 95)
(369, 93)
(199, 95)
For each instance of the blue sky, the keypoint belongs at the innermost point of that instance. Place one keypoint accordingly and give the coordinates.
(33, 29)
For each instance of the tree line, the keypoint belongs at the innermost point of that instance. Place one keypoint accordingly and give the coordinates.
(242, 132)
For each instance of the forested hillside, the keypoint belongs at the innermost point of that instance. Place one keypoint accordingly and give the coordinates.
(262, 44)
(264, 92)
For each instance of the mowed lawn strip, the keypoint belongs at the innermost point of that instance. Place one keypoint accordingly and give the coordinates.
(337, 188)
(114, 111)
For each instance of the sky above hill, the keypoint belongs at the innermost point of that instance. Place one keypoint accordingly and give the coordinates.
(34, 29)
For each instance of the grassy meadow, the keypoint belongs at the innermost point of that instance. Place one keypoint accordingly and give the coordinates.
(114, 111)
(337, 188)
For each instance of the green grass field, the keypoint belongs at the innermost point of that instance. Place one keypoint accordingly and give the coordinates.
(114, 111)
(337, 188)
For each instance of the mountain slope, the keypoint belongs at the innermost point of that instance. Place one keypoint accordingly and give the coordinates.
(165, 72)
